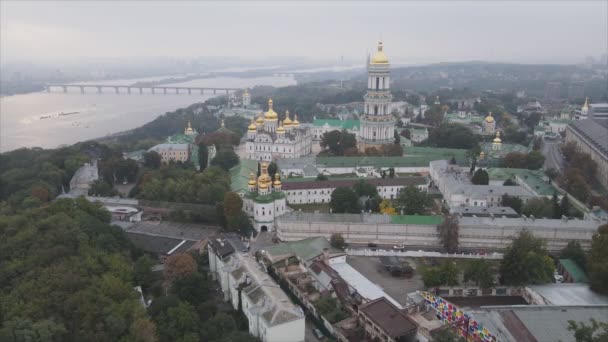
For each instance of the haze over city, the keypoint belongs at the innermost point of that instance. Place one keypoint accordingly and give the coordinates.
(414, 32)
(304, 171)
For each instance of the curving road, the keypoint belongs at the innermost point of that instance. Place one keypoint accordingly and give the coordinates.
(553, 157)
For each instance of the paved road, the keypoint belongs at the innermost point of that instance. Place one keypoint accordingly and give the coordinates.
(553, 158)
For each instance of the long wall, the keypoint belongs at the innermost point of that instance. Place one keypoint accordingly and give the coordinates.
(474, 232)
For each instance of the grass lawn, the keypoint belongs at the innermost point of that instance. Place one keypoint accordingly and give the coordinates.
(311, 207)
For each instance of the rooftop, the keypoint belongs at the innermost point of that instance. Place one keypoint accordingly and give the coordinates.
(361, 284)
(569, 294)
(239, 175)
(305, 249)
(577, 274)
(343, 124)
(388, 317)
(361, 218)
(169, 147)
(348, 183)
(535, 179)
(536, 323)
(596, 134)
(529, 223)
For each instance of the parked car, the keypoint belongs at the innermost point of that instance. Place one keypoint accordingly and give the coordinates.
(371, 244)
(399, 247)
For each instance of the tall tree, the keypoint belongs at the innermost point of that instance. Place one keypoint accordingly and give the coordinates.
(480, 272)
(152, 160)
(337, 241)
(178, 266)
(448, 233)
(598, 260)
(526, 261)
(413, 201)
(232, 204)
(596, 331)
(480, 177)
(225, 158)
(364, 188)
(344, 200)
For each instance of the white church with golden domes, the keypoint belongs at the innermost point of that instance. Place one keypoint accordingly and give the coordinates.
(268, 138)
(489, 125)
(265, 199)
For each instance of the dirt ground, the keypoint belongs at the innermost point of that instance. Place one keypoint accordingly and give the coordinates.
(396, 287)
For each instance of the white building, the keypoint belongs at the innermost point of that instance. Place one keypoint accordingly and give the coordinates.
(453, 182)
(269, 139)
(264, 200)
(313, 191)
(321, 126)
(172, 152)
(271, 315)
(377, 124)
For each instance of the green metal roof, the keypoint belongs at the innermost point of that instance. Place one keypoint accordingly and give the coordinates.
(304, 249)
(417, 219)
(181, 139)
(535, 179)
(239, 175)
(578, 275)
(343, 124)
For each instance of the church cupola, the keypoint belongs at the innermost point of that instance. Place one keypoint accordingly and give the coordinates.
(497, 142)
(277, 182)
(252, 184)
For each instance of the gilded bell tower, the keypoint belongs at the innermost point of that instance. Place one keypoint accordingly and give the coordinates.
(377, 125)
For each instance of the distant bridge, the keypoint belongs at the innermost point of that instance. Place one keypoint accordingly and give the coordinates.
(126, 89)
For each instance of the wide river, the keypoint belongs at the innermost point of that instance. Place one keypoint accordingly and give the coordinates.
(49, 120)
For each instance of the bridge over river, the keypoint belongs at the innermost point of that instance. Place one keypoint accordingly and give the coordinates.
(118, 89)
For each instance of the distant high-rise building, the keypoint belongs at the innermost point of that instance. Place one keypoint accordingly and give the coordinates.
(552, 90)
(576, 90)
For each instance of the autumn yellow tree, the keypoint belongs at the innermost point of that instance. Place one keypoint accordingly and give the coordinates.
(386, 207)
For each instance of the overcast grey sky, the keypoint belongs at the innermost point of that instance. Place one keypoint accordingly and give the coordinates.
(413, 32)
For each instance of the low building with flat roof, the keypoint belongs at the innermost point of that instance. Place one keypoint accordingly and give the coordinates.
(534, 323)
(300, 190)
(378, 320)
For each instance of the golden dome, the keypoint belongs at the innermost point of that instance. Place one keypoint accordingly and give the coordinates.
(264, 180)
(482, 155)
(379, 56)
(270, 115)
(277, 180)
(251, 179)
(189, 129)
(295, 122)
(252, 126)
(497, 140)
(280, 129)
(287, 121)
(489, 118)
(586, 105)
(260, 119)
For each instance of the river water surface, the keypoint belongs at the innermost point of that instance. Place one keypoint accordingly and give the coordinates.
(49, 120)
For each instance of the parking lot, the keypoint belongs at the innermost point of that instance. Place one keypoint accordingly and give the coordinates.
(396, 287)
